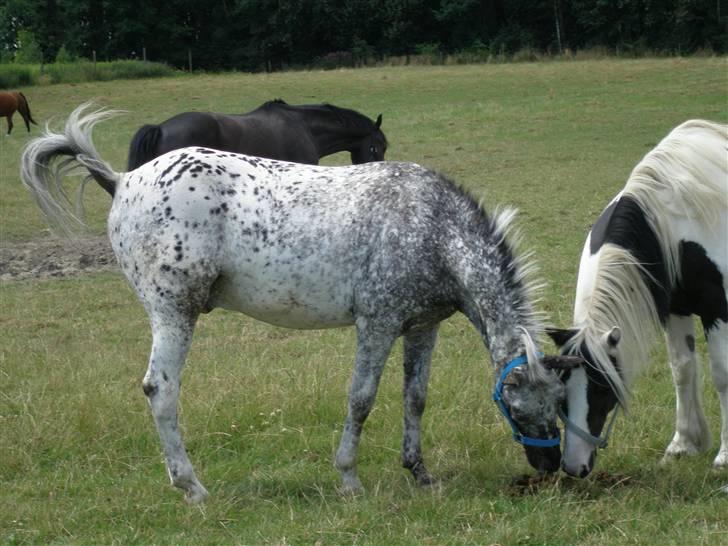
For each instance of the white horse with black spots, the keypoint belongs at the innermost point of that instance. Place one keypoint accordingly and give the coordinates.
(656, 256)
(391, 248)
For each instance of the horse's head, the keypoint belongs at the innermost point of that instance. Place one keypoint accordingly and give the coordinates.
(371, 147)
(529, 401)
(590, 396)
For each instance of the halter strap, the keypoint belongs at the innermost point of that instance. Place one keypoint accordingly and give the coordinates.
(498, 399)
(600, 442)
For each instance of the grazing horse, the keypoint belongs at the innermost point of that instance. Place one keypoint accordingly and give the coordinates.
(10, 101)
(657, 255)
(275, 130)
(390, 248)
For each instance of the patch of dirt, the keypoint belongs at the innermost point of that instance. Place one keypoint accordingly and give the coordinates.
(528, 484)
(55, 258)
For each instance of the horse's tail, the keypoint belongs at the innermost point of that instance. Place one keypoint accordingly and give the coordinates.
(24, 108)
(143, 147)
(42, 173)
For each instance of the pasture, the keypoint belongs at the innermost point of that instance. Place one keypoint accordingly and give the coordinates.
(262, 407)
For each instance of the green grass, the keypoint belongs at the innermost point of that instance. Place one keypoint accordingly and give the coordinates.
(14, 75)
(262, 407)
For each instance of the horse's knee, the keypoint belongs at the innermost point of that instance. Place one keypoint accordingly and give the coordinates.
(683, 368)
(150, 387)
(415, 400)
(360, 403)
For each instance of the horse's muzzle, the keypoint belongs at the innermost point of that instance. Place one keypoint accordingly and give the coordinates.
(544, 459)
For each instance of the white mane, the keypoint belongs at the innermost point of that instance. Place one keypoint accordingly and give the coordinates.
(525, 273)
(684, 177)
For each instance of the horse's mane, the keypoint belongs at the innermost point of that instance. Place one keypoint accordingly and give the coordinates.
(352, 120)
(520, 269)
(684, 177)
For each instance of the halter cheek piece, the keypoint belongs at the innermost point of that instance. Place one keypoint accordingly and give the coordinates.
(498, 399)
(597, 441)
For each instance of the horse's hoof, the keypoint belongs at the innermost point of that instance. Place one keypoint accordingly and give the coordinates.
(428, 481)
(351, 487)
(196, 495)
(677, 451)
(721, 460)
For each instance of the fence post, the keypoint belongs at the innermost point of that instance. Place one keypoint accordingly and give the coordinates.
(144, 54)
(93, 56)
(189, 59)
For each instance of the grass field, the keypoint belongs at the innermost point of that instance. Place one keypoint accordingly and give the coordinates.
(262, 407)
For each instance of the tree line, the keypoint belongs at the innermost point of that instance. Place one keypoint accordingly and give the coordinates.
(276, 34)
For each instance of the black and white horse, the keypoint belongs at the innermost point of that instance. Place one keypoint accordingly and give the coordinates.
(275, 130)
(657, 255)
(390, 248)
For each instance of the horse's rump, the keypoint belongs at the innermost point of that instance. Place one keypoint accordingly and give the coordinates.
(143, 146)
(24, 108)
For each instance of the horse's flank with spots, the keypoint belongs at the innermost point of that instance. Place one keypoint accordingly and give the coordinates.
(390, 248)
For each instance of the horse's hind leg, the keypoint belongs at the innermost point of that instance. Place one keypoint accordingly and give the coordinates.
(718, 349)
(418, 348)
(9, 117)
(171, 338)
(373, 347)
(692, 434)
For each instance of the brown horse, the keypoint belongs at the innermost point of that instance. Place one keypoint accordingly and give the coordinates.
(10, 101)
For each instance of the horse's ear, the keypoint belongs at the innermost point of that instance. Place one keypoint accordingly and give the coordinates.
(562, 362)
(378, 123)
(560, 336)
(515, 378)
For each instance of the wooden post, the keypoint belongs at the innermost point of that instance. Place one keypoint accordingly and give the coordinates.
(144, 54)
(189, 59)
(93, 56)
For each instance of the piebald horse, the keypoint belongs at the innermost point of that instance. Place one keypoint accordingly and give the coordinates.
(656, 256)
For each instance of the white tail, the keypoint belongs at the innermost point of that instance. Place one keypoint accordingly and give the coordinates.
(43, 174)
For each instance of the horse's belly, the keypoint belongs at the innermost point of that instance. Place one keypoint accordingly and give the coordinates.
(285, 300)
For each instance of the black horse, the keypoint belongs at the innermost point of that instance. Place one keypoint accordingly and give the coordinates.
(275, 130)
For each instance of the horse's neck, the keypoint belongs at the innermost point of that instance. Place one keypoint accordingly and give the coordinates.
(629, 230)
(329, 132)
(494, 297)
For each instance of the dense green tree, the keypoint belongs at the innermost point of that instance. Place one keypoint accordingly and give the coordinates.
(275, 34)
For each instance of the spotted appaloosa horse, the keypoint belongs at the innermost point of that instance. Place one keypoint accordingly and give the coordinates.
(277, 130)
(12, 101)
(390, 248)
(657, 255)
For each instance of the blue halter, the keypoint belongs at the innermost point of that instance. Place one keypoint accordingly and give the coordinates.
(498, 399)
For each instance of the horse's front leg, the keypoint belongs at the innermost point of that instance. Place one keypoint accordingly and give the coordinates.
(718, 349)
(418, 347)
(10, 122)
(692, 434)
(373, 347)
(171, 338)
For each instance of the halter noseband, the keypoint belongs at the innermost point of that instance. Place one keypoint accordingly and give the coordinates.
(600, 442)
(498, 399)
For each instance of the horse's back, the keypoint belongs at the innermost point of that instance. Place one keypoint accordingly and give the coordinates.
(283, 242)
(190, 129)
(260, 133)
(8, 102)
